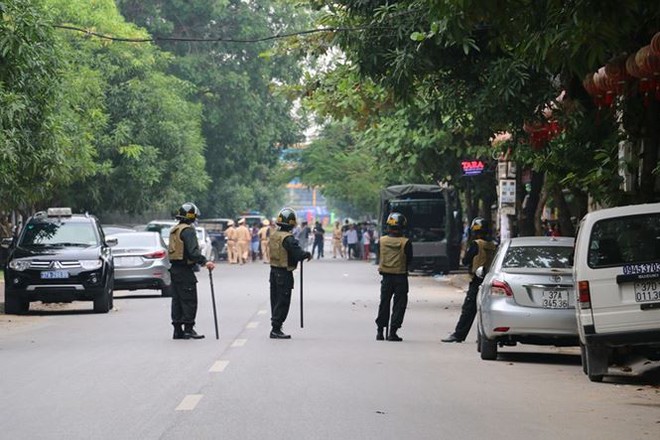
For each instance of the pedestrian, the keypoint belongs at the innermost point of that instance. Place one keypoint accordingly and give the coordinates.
(264, 235)
(285, 253)
(366, 243)
(243, 238)
(396, 254)
(375, 241)
(254, 243)
(304, 236)
(319, 236)
(230, 235)
(336, 241)
(481, 251)
(184, 254)
(352, 241)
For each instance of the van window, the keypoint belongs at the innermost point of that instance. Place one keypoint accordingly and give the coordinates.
(624, 240)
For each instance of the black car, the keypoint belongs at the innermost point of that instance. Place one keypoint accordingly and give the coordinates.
(59, 257)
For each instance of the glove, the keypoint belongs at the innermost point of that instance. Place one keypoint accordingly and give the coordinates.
(308, 256)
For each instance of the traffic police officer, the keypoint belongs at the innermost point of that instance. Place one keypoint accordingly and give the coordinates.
(396, 254)
(264, 235)
(230, 235)
(184, 254)
(480, 253)
(285, 253)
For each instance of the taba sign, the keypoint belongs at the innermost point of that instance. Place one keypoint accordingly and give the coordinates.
(472, 167)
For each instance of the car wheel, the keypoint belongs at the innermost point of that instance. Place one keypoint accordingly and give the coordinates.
(166, 291)
(488, 349)
(597, 362)
(15, 306)
(103, 302)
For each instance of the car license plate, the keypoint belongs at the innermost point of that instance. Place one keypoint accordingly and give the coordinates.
(647, 291)
(128, 261)
(555, 299)
(54, 274)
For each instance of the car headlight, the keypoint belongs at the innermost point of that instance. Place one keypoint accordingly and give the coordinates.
(19, 265)
(91, 264)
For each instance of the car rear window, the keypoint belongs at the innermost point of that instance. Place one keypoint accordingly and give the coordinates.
(624, 240)
(136, 240)
(541, 257)
(64, 233)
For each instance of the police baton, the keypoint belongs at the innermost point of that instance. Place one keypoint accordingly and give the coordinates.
(215, 314)
(301, 293)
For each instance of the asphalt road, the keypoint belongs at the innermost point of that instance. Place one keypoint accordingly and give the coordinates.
(66, 373)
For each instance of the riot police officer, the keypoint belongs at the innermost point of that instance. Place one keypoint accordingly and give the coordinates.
(480, 253)
(285, 253)
(396, 254)
(184, 254)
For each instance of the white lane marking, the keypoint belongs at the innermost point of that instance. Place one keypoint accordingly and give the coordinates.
(253, 324)
(262, 312)
(218, 367)
(238, 342)
(189, 402)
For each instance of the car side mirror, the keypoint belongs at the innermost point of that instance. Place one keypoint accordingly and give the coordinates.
(7, 242)
(480, 272)
(111, 241)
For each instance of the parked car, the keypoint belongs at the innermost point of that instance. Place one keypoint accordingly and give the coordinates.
(116, 229)
(205, 245)
(163, 227)
(141, 262)
(216, 229)
(59, 257)
(617, 274)
(527, 296)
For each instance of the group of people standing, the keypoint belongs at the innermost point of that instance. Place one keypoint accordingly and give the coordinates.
(355, 241)
(246, 244)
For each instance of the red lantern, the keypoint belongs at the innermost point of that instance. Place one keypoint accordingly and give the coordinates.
(647, 61)
(631, 67)
(589, 85)
(655, 44)
(616, 71)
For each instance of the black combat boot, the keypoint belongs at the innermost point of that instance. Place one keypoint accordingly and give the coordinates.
(276, 333)
(190, 333)
(178, 331)
(379, 334)
(393, 336)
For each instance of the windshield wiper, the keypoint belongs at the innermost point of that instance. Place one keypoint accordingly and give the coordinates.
(70, 244)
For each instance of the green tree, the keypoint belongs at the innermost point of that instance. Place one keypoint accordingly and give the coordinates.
(247, 118)
(33, 157)
(136, 123)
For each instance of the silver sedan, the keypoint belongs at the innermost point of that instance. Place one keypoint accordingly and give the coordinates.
(527, 296)
(141, 262)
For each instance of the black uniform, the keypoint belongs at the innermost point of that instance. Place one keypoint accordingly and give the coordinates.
(281, 278)
(184, 282)
(394, 285)
(486, 247)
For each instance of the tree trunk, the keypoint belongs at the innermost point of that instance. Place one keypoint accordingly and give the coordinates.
(531, 201)
(565, 224)
(538, 225)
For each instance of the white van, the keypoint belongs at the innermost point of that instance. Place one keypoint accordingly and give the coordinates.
(617, 276)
